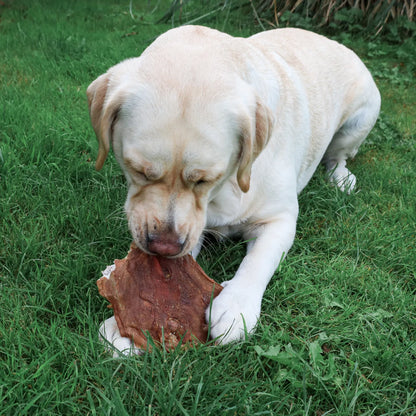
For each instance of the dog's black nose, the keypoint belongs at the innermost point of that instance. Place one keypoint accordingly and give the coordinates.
(167, 244)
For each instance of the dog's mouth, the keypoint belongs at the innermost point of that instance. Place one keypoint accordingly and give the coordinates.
(167, 244)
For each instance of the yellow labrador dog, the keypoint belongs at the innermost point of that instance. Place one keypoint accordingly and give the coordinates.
(221, 133)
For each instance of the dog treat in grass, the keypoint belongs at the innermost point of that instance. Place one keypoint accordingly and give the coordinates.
(165, 297)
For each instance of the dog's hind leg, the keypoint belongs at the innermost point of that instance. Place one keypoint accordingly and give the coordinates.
(347, 140)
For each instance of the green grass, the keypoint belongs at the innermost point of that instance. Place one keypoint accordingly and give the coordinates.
(337, 335)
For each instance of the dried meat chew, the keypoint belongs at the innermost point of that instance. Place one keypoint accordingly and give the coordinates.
(165, 297)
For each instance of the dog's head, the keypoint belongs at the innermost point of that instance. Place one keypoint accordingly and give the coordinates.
(177, 143)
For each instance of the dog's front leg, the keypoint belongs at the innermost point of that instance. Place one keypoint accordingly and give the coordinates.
(236, 309)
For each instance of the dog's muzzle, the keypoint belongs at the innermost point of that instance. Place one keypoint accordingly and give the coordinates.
(164, 244)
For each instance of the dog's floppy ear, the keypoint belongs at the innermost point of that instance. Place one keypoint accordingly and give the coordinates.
(255, 134)
(103, 112)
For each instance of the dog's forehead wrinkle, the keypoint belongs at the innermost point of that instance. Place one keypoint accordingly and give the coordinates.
(136, 161)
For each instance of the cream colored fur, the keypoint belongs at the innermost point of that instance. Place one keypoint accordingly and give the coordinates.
(221, 133)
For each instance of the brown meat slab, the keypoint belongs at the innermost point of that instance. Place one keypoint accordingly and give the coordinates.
(165, 297)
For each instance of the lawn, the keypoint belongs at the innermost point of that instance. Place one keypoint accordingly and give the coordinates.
(337, 335)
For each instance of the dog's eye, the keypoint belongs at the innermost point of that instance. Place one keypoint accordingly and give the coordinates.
(141, 175)
(201, 182)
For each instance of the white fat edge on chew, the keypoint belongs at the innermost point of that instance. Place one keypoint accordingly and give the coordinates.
(108, 270)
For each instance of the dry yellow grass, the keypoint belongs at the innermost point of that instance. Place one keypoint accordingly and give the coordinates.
(379, 11)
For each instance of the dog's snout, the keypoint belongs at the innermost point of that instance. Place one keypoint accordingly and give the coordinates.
(166, 244)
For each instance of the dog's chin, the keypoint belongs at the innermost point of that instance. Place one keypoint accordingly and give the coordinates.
(142, 245)
(144, 249)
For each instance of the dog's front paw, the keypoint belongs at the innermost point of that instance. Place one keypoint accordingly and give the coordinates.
(233, 313)
(118, 345)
